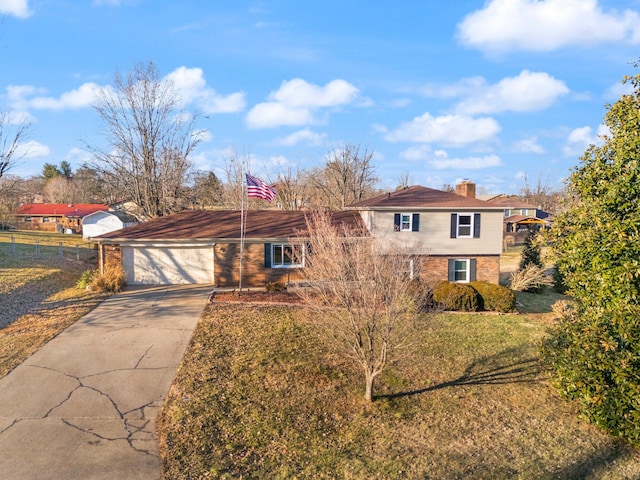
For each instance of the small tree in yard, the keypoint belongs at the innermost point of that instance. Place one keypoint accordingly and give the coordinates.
(358, 298)
(530, 253)
(594, 352)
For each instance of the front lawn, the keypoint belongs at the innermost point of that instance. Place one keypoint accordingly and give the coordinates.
(260, 396)
(38, 300)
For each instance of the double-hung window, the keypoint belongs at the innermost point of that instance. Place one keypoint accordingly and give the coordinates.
(406, 222)
(462, 270)
(284, 255)
(465, 225)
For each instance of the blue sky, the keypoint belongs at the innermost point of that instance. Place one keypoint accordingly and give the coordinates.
(440, 91)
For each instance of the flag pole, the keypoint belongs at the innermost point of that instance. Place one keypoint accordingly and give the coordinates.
(242, 226)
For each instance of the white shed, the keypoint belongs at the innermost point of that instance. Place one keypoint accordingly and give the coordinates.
(99, 223)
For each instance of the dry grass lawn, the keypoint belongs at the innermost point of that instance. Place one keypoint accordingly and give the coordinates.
(38, 300)
(260, 395)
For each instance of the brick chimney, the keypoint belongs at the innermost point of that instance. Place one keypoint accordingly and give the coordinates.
(466, 188)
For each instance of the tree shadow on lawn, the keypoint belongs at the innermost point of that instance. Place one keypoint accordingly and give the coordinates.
(594, 464)
(476, 373)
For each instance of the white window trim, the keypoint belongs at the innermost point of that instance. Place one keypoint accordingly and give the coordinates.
(409, 228)
(283, 265)
(467, 270)
(471, 225)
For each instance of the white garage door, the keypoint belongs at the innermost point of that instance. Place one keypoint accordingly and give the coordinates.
(168, 265)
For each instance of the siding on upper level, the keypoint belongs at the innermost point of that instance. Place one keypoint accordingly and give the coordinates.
(434, 235)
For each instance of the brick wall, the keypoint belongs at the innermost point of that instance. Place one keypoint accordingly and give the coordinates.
(108, 254)
(254, 273)
(435, 269)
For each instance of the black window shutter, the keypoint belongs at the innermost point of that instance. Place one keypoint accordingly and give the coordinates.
(396, 222)
(454, 225)
(451, 272)
(476, 225)
(472, 270)
(415, 222)
(267, 255)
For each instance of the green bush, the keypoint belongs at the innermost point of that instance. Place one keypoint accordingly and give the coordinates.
(595, 364)
(495, 298)
(86, 279)
(457, 296)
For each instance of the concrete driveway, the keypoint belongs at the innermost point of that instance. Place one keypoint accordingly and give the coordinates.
(84, 405)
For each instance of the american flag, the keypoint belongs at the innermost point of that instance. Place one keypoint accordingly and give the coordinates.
(257, 188)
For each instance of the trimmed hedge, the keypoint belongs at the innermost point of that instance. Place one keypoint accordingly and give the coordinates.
(495, 298)
(457, 296)
(475, 296)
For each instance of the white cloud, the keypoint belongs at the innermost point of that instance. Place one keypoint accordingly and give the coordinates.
(529, 145)
(439, 159)
(81, 97)
(298, 93)
(192, 87)
(446, 130)
(296, 102)
(32, 149)
(545, 25)
(579, 139)
(272, 114)
(526, 92)
(306, 136)
(615, 91)
(17, 8)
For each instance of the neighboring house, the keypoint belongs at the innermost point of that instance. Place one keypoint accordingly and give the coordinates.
(453, 237)
(100, 222)
(520, 218)
(203, 246)
(448, 236)
(55, 217)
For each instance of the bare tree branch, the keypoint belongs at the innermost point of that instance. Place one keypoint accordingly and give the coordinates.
(12, 134)
(149, 140)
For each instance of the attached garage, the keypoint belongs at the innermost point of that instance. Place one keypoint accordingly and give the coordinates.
(167, 265)
(203, 247)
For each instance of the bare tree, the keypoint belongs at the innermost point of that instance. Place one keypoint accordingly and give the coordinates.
(234, 169)
(59, 190)
(12, 134)
(541, 194)
(149, 140)
(292, 189)
(207, 190)
(347, 177)
(358, 298)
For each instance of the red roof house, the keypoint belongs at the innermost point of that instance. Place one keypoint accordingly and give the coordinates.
(52, 217)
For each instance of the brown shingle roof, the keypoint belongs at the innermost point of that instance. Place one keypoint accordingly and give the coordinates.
(421, 197)
(224, 224)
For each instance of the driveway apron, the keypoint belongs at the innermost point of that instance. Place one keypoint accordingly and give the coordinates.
(84, 405)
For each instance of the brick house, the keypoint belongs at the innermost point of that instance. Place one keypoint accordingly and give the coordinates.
(449, 236)
(203, 246)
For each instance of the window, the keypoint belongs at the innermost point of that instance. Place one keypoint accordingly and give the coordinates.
(462, 270)
(284, 255)
(465, 225)
(406, 222)
(27, 219)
